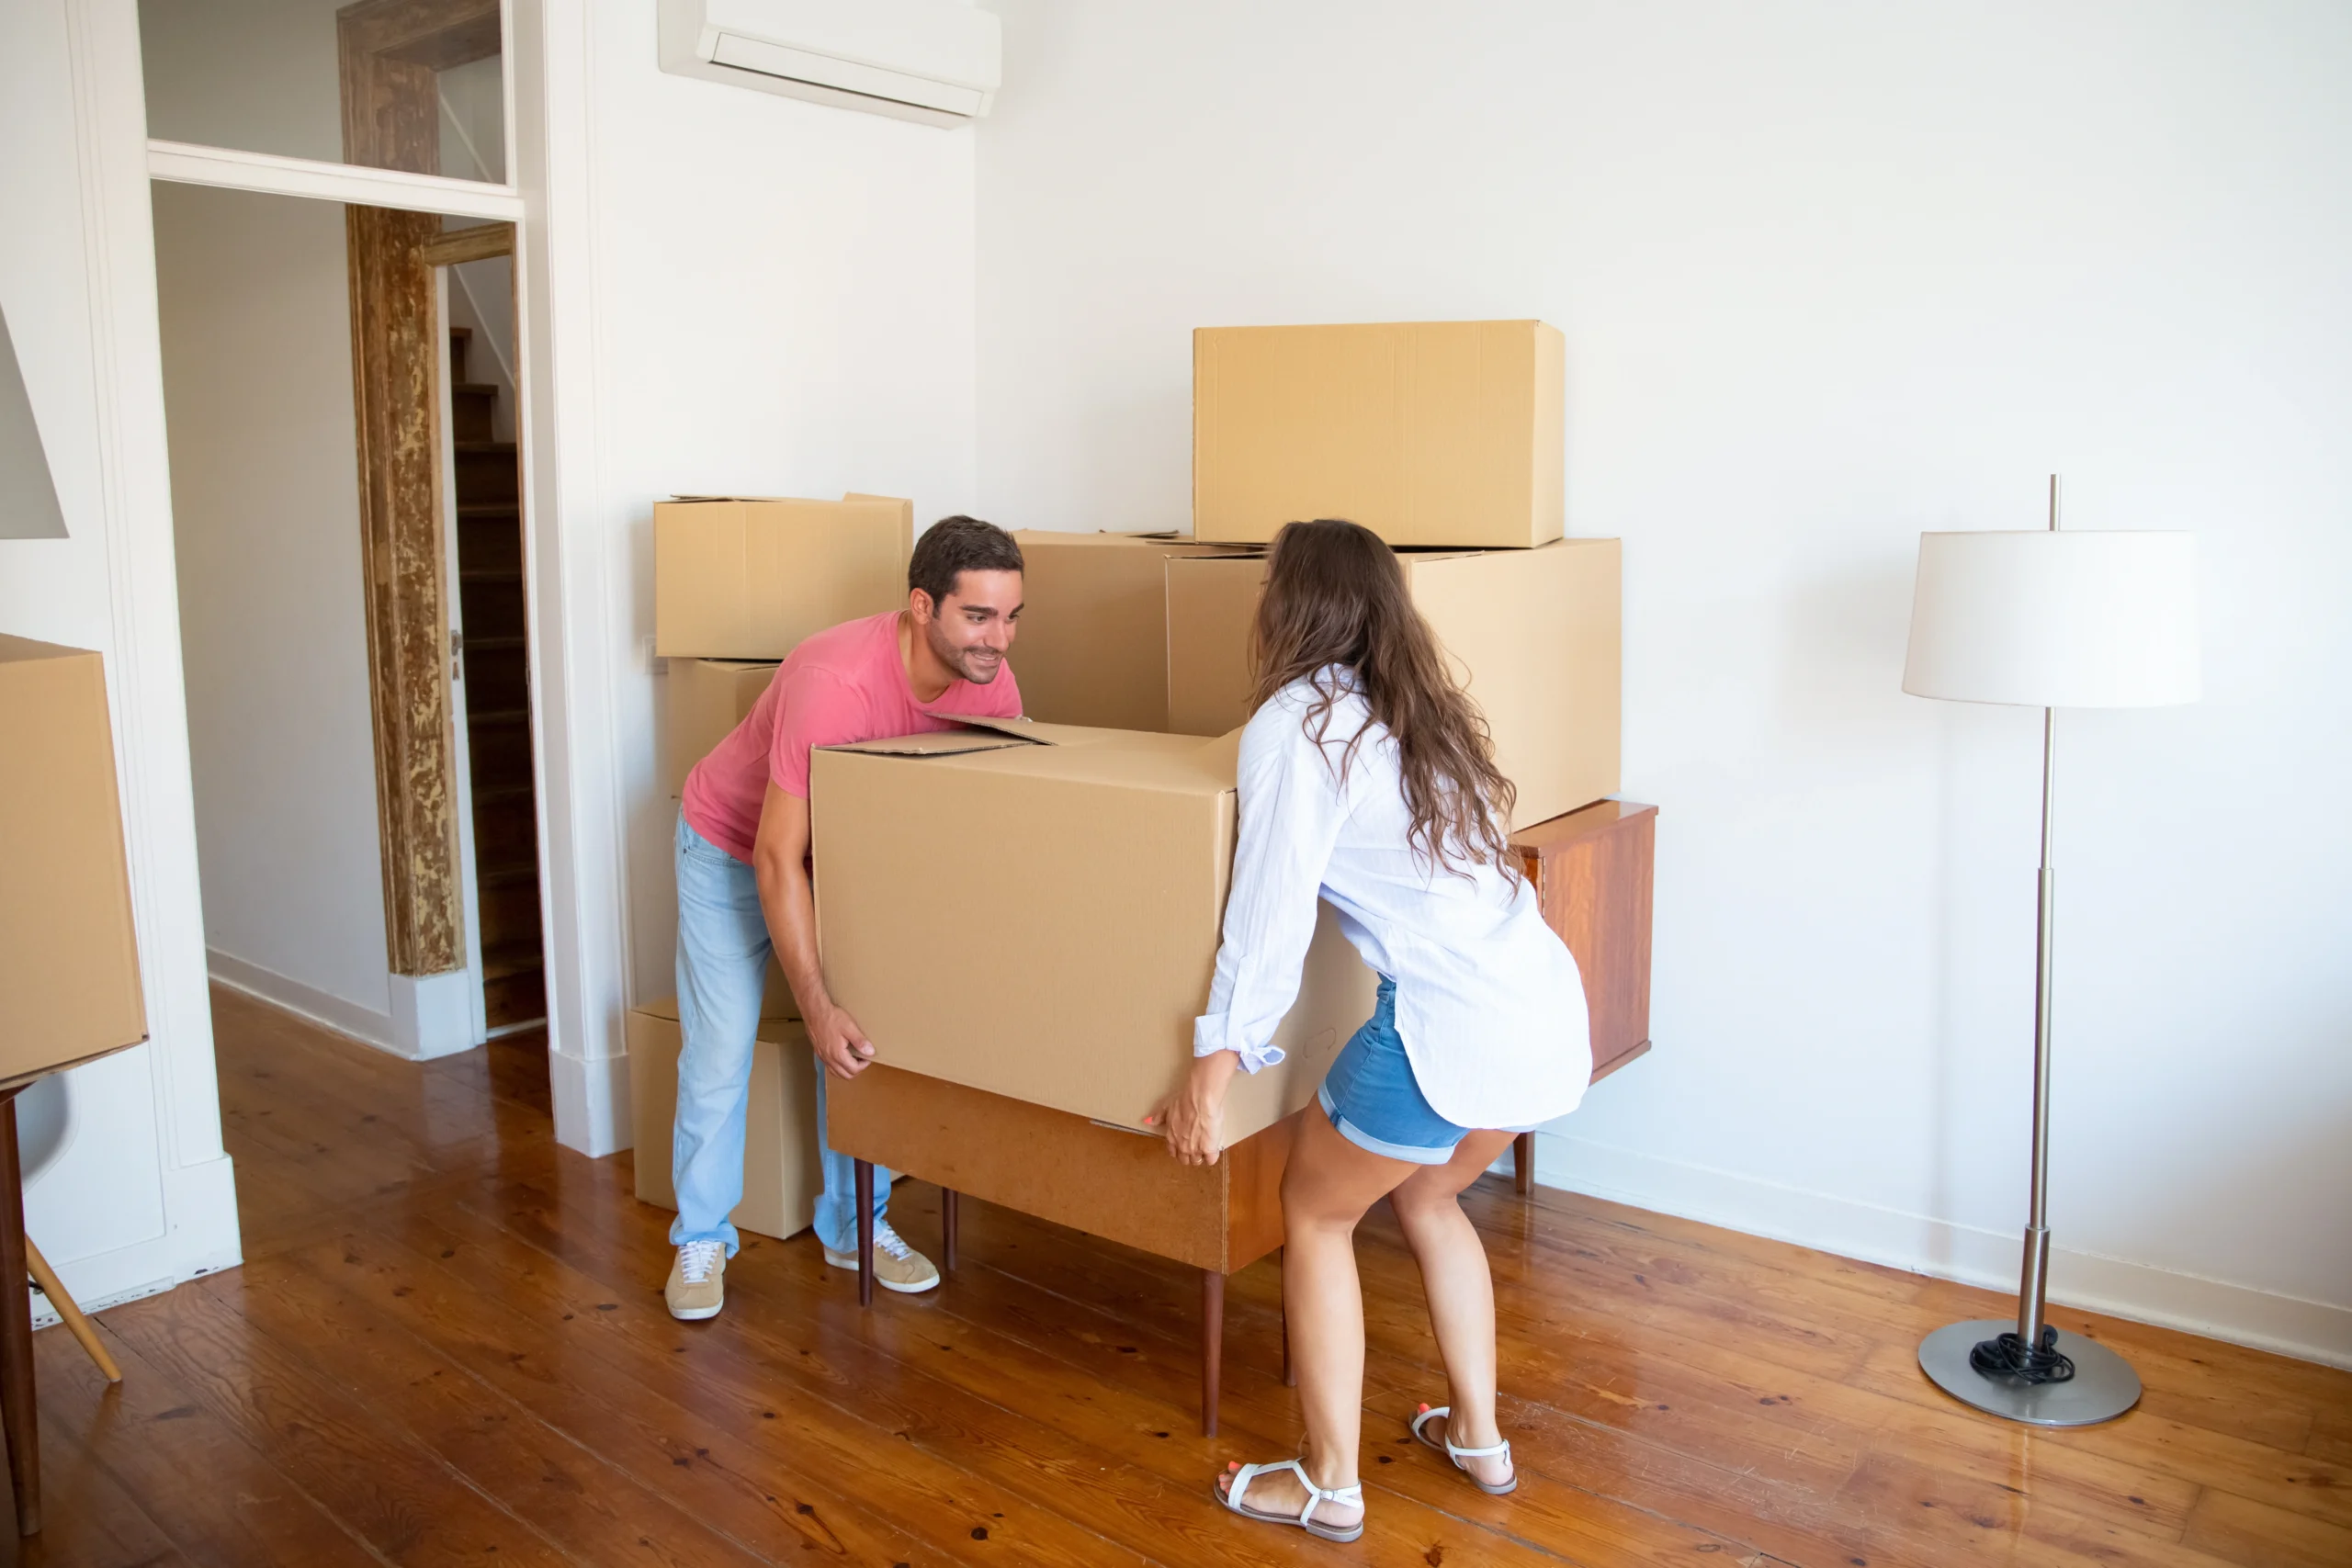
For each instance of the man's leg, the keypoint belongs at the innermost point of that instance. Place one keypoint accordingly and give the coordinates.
(897, 1265)
(722, 967)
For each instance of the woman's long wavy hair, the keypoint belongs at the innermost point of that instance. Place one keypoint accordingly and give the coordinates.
(1335, 596)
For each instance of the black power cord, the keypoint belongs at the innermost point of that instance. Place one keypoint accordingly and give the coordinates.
(2006, 1355)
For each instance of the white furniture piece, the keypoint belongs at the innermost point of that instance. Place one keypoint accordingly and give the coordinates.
(2047, 619)
(934, 62)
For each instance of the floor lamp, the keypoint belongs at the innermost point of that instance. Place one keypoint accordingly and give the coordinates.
(2050, 620)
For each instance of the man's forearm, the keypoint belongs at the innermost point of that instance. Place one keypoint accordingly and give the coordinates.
(788, 903)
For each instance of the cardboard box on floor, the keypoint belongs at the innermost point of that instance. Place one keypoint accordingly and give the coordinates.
(706, 699)
(748, 577)
(1034, 910)
(781, 1174)
(1427, 433)
(1092, 648)
(69, 957)
(1534, 635)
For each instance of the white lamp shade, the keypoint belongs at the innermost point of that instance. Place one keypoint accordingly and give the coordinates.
(2090, 619)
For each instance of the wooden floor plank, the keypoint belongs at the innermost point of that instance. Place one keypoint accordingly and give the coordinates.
(450, 1336)
(619, 1397)
(223, 1503)
(399, 1497)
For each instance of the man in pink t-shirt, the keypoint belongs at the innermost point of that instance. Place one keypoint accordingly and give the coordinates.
(744, 891)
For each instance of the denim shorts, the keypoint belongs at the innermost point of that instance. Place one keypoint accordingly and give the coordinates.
(1371, 1096)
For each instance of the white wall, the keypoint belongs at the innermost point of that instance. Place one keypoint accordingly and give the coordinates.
(139, 1194)
(1831, 274)
(254, 295)
(780, 305)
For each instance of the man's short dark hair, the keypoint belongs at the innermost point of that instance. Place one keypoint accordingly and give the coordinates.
(954, 546)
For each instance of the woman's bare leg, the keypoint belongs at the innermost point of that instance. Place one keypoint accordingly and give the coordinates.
(1326, 1187)
(1461, 1293)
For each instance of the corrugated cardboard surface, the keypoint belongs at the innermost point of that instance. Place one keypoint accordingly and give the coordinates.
(1429, 433)
(748, 577)
(1102, 1181)
(1534, 634)
(1040, 920)
(1092, 646)
(781, 1173)
(68, 959)
(706, 699)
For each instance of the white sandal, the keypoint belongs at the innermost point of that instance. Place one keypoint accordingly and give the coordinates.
(1349, 1496)
(1500, 1450)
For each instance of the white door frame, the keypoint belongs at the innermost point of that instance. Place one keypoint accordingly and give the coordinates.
(576, 652)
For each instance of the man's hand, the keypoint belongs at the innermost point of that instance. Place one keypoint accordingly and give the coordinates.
(840, 1043)
(1192, 1115)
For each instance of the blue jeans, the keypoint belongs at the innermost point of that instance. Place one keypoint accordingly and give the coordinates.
(723, 952)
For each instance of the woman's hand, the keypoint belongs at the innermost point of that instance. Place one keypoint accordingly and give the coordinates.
(1191, 1115)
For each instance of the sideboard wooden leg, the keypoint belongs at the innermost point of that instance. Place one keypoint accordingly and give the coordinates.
(866, 1233)
(1522, 1159)
(19, 1416)
(1212, 1346)
(951, 1216)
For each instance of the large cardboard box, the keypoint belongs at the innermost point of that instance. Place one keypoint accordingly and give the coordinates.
(707, 698)
(1534, 634)
(69, 958)
(1093, 648)
(781, 1172)
(747, 577)
(1427, 433)
(1034, 910)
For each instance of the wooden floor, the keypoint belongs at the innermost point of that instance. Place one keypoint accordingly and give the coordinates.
(447, 1345)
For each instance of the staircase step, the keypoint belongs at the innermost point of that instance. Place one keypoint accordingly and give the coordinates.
(513, 958)
(460, 339)
(515, 1000)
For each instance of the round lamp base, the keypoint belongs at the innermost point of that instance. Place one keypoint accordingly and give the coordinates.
(2103, 1387)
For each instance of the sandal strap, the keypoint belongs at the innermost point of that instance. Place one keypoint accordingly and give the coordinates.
(1500, 1449)
(1350, 1495)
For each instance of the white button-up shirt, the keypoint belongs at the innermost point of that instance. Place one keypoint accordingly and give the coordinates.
(1489, 1005)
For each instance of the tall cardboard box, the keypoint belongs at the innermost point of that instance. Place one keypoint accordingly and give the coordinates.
(781, 1176)
(1066, 959)
(1092, 648)
(1533, 633)
(1427, 433)
(707, 698)
(748, 577)
(68, 959)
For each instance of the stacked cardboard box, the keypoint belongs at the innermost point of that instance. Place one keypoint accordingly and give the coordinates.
(738, 581)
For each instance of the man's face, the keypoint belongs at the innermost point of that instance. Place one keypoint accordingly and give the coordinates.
(971, 631)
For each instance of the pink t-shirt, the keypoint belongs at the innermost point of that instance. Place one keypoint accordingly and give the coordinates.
(845, 684)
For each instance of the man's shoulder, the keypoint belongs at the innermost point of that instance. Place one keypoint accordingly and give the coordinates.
(844, 655)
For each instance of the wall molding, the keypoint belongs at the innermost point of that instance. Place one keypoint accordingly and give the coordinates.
(2310, 1331)
(430, 1016)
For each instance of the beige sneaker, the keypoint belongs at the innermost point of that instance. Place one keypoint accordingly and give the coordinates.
(897, 1265)
(697, 1286)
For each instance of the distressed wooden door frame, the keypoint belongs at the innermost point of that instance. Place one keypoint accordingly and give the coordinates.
(390, 53)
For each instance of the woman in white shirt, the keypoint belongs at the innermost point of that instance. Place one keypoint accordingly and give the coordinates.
(1367, 780)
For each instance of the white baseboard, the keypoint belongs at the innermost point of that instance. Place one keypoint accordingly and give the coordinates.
(590, 1103)
(2311, 1331)
(432, 1015)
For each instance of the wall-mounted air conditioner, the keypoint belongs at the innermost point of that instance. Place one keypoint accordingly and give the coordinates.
(932, 60)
